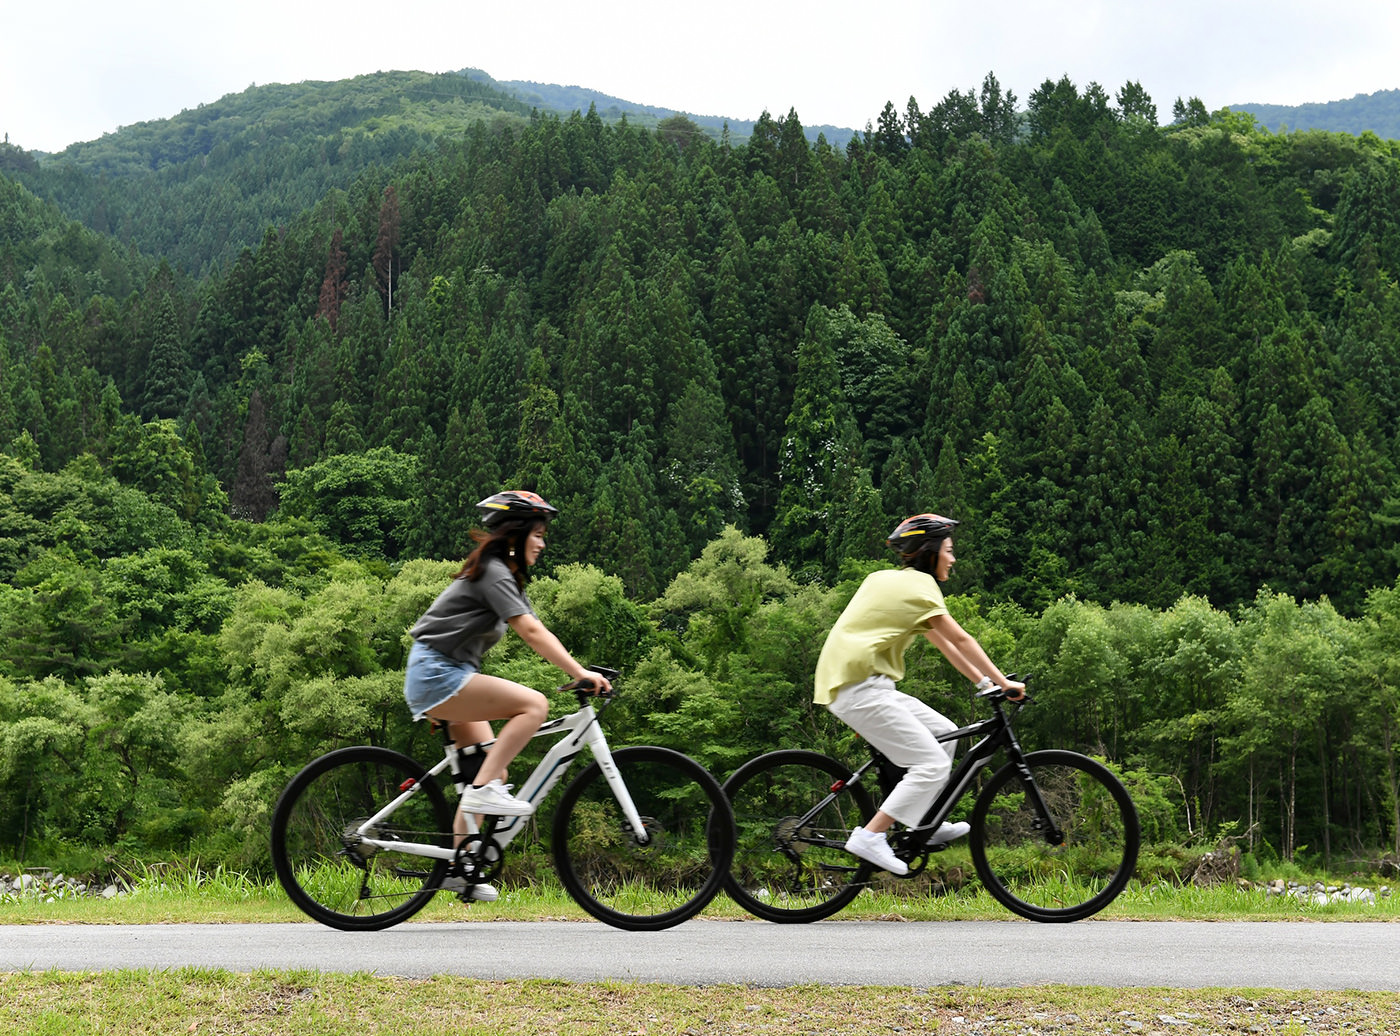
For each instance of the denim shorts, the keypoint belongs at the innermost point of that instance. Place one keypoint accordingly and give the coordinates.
(432, 678)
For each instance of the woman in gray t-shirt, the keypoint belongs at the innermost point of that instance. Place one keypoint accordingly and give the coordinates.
(444, 679)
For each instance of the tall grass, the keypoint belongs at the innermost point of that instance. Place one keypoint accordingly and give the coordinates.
(174, 894)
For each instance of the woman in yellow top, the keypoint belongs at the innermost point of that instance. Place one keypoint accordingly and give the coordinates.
(862, 659)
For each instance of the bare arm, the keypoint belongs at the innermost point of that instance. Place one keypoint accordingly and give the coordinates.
(966, 655)
(547, 646)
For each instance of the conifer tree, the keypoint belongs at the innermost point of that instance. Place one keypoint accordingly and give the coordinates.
(820, 458)
(261, 462)
(630, 532)
(386, 246)
(332, 283)
(166, 383)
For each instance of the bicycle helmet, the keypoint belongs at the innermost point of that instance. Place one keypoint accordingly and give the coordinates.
(919, 530)
(513, 504)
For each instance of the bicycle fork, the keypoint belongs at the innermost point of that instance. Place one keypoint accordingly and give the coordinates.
(602, 755)
(1044, 819)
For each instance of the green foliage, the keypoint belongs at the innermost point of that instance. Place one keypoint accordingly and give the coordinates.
(359, 500)
(1150, 368)
(212, 163)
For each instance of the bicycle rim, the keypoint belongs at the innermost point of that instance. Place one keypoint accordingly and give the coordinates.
(653, 884)
(322, 863)
(1031, 873)
(787, 870)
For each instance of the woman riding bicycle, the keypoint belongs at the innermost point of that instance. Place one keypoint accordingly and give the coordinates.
(444, 679)
(862, 659)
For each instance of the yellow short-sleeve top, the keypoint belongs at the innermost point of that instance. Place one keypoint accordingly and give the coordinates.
(890, 609)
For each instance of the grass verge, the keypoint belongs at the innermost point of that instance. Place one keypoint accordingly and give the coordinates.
(161, 897)
(301, 1002)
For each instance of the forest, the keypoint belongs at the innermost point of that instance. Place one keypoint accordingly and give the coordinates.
(1150, 364)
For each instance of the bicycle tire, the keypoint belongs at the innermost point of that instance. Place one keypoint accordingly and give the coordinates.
(674, 875)
(314, 851)
(1048, 882)
(789, 875)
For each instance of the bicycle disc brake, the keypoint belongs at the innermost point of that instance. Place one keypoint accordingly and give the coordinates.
(654, 833)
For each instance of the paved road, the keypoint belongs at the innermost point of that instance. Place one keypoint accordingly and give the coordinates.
(1302, 955)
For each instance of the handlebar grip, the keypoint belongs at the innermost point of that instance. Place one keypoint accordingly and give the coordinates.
(585, 685)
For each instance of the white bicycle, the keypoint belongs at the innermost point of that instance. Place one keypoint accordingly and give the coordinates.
(362, 838)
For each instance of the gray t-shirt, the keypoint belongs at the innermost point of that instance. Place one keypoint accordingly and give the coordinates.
(469, 617)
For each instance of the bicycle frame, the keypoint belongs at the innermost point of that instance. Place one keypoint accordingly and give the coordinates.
(581, 730)
(996, 734)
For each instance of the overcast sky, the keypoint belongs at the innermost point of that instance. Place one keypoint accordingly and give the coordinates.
(71, 70)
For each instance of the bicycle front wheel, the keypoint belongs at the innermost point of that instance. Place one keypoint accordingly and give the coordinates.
(790, 862)
(656, 881)
(322, 860)
(1071, 860)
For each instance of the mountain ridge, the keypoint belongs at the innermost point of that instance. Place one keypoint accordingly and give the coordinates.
(568, 98)
(1377, 113)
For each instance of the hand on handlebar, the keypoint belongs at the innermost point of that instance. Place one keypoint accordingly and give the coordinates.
(592, 683)
(1010, 689)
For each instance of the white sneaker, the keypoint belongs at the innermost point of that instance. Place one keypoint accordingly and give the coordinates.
(494, 799)
(481, 892)
(947, 833)
(875, 848)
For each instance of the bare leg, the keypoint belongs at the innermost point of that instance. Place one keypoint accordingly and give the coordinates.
(468, 732)
(484, 698)
(880, 822)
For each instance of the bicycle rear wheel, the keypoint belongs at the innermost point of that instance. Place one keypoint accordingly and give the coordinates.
(1042, 877)
(666, 879)
(323, 863)
(786, 868)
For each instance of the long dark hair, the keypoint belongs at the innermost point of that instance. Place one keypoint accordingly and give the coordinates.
(507, 542)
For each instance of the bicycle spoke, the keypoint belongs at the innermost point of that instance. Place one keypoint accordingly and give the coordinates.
(325, 865)
(1065, 866)
(660, 877)
(790, 863)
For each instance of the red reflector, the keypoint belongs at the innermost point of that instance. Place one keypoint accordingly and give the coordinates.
(407, 784)
(838, 785)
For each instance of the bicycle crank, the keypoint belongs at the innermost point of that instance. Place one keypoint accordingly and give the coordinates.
(478, 858)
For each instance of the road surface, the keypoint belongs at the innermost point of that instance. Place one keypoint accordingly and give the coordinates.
(1184, 954)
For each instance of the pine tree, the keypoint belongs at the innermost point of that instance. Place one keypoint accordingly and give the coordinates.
(332, 283)
(699, 470)
(628, 526)
(261, 462)
(820, 460)
(166, 385)
(342, 431)
(386, 245)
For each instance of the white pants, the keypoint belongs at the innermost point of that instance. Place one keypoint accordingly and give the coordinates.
(904, 729)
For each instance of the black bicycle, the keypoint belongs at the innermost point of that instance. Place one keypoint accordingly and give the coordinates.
(1054, 835)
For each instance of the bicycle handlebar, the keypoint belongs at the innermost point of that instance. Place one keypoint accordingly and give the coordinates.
(999, 693)
(585, 687)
